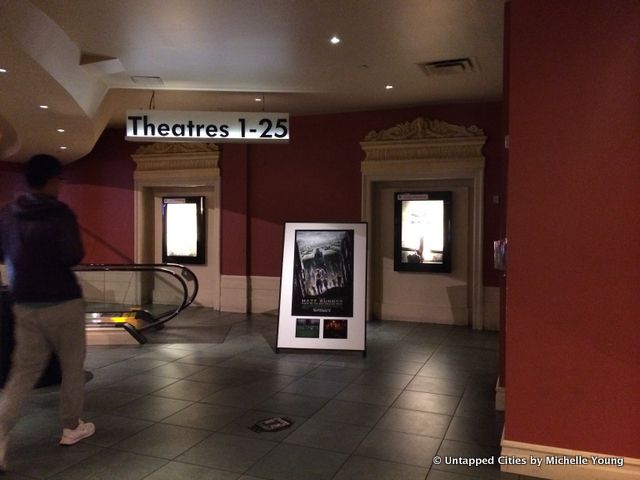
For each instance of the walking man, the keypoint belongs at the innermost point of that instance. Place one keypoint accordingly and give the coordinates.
(40, 242)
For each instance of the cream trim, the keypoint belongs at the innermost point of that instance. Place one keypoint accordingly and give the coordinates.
(255, 294)
(591, 471)
(233, 293)
(451, 153)
(176, 165)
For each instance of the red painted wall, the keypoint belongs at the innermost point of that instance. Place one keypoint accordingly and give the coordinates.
(316, 177)
(99, 188)
(573, 298)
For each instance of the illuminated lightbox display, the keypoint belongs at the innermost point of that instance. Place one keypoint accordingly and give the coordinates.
(423, 232)
(183, 230)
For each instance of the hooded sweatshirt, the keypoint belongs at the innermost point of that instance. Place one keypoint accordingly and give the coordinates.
(40, 242)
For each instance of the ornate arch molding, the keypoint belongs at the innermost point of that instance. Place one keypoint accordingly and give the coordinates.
(427, 149)
(161, 166)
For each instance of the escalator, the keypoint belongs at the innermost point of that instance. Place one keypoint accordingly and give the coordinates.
(125, 300)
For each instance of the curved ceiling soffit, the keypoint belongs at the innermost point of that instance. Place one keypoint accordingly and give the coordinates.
(53, 68)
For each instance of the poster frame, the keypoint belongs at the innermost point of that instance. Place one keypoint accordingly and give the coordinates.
(355, 340)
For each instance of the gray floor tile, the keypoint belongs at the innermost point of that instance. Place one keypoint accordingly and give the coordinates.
(292, 462)
(242, 426)
(227, 452)
(396, 366)
(413, 421)
(110, 465)
(399, 447)
(142, 384)
(350, 412)
(387, 380)
(151, 408)
(292, 404)
(337, 437)
(369, 394)
(362, 468)
(111, 429)
(334, 374)
(427, 402)
(316, 388)
(484, 430)
(443, 386)
(461, 449)
(45, 457)
(225, 376)
(188, 390)
(184, 471)
(164, 441)
(107, 400)
(205, 359)
(176, 370)
(204, 416)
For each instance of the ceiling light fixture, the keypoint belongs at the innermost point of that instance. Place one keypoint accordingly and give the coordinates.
(60, 130)
(258, 99)
(44, 107)
(3, 70)
(62, 147)
(335, 40)
(388, 87)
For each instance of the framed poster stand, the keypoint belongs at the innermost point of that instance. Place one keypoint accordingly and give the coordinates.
(323, 287)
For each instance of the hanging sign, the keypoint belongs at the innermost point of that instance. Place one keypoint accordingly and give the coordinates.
(218, 127)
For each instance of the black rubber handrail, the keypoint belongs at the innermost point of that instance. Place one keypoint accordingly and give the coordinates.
(151, 267)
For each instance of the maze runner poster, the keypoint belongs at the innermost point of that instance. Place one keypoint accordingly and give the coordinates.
(323, 273)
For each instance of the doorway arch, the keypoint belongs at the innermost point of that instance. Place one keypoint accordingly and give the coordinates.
(425, 153)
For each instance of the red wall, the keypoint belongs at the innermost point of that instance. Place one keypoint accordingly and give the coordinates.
(316, 177)
(573, 297)
(99, 188)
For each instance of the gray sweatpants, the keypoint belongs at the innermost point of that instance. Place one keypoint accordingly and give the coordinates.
(39, 331)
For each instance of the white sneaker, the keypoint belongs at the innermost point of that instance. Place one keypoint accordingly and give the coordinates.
(71, 436)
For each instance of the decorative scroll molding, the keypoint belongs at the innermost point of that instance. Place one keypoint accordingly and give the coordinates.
(422, 128)
(177, 157)
(429, 150)
(176, 147)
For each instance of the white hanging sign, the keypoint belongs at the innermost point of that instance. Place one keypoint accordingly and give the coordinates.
(217, 127)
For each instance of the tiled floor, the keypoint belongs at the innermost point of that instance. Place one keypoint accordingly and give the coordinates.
(182, 410)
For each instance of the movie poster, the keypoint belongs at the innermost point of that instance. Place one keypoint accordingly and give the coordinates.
(323, 273)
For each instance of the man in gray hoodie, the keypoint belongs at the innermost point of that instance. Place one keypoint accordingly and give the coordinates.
(40, 242)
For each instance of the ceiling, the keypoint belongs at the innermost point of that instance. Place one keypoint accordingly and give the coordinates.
(78, 57)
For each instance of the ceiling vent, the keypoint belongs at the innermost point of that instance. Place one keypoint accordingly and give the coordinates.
(147, 80)
(450, 67)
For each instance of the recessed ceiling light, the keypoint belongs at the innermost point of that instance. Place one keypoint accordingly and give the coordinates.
(335, 40)
(61, 130)
(62, 147)
(258, 99)
(44, 107)
(3, 70)
(388, 87)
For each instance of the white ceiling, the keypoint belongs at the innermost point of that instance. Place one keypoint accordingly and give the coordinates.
(78, 57)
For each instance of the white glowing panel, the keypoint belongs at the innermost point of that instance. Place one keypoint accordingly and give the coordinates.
(182, 229)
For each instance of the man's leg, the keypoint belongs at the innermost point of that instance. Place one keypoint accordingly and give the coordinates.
(30, 356)
(66, 332)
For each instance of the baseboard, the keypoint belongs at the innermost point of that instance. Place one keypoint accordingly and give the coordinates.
(500, 396)
(605, 467)
(233, 293)
(255, 294)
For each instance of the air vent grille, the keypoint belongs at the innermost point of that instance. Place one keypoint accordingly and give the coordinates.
(454, 66)
(147, 80)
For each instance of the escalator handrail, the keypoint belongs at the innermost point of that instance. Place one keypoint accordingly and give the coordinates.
(145, 266)
(150, 267)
